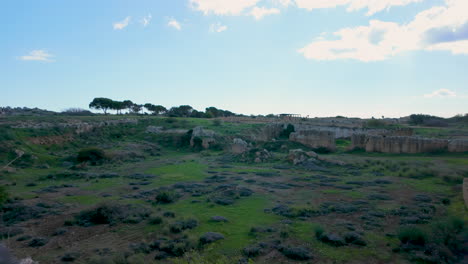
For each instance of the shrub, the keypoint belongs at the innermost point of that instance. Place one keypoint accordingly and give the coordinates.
(166, 197)
(3, 195)
(287, 131)
(111, 214)
(296, 253)
(93, 155)
(412, 235)
(217, 122)
(155, 220)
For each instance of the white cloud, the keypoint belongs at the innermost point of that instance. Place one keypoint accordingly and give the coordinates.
(284, 2)
(430, 30)
(259, 12)
(122, 24)
(441, 93)
(145, 21)
(372, 6)
(456, 47)
(217, 28)
(175, 24)
(38, 55)
(222, 7)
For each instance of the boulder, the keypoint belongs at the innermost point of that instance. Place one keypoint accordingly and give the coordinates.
(298, 156)
(239, 146)
(262, 156)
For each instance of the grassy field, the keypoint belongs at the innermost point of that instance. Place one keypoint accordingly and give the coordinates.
(147, 202)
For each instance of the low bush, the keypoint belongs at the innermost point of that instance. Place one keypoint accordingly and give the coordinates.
(166, 197)
(3, 195)
(94, 156)
(111, 214)
(412, 235)
(296, 253)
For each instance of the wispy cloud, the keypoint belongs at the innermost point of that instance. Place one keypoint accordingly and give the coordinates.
(174, 24)
(373, 6)
(222, 7)
(217, 28)
(284, 2)
(146, 20)
(259, 12)
(381, 40)
(122, 24)
(38, 55)
(441, 93)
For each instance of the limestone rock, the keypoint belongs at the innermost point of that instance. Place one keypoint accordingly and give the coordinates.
(239, 146)
(298, 156)
(207, 137)
(315, 139)
(154, 129)
(458, 145)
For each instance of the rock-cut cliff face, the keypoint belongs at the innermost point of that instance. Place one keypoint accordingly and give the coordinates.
(392, 144)
(458, 145)
(315, 139)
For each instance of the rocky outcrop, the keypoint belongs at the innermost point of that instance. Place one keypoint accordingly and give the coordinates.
(315, 139)
(161, 130)
(262, 156)
(391, 144)
(347, 132)
(80, 127)
(203, 137)
(269, 132)
(458, 145)
(298, 156)
(239, 146)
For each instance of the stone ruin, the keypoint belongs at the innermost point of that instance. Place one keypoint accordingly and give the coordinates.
(402, 144)
(315, 139)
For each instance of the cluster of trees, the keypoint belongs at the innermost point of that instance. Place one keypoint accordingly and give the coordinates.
(106, 104)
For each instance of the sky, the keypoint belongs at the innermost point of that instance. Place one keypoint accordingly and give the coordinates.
(355, 58)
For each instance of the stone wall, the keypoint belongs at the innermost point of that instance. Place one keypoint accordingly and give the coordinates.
(458, 145)
(397, 144)
(315, 139)
(346, 132)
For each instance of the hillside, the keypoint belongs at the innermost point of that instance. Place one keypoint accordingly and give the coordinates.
(148, 189)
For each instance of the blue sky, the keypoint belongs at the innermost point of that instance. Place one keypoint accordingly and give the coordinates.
(313, 57)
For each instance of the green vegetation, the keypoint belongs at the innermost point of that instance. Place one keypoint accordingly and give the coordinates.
(151, 198)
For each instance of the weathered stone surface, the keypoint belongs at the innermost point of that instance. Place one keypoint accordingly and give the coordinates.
(262, 156)
(80, 127)
(315, 139)
(458, 145)
(154, 129)
(239, 146)
(386, 144)
(269, 132)
(347, 132)
(298, 156)
(207, 137)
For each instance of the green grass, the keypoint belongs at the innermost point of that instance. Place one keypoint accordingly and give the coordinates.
(244, 214)
(84, 199)
(430, 185)
(349, 193)
(183, 172)
(305, 231)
